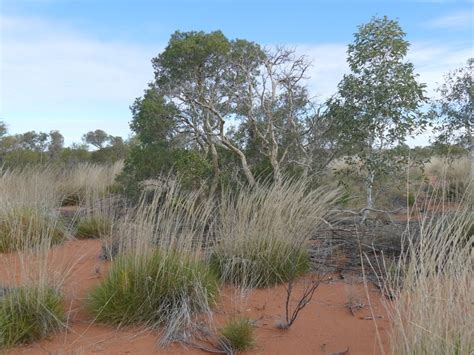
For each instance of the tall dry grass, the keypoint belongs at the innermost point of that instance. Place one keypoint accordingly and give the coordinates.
(86, 183)
(31, 304)
(261, 232)
(432, 285)
(159, 277)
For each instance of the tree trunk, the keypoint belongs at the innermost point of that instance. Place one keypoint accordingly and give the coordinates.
(245, 167)
(215, 166)
(276, 167)
(243, 160)
(370, 201)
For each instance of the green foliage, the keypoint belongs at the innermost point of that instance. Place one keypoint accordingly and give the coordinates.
(259, 263)
(152, 289)
(93, 227)
(237, 335)
(378, 103)
(411, 199)
(191, 55)
(455, 107)
(151, 161)
(23, 157)
(96, 138)
(29, 314)
(110, 154)
(75, 154)
(158, 150)
(22, 228)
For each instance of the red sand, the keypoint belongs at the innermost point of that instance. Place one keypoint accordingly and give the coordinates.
(325, 326)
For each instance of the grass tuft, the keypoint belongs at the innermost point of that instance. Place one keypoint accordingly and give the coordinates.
(260, 263)
(237, 335)
(93, 227)
(152, 289)
(28, 314)
(261, 232)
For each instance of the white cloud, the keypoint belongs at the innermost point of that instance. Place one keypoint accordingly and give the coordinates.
(48, 69)
(328, 67)
(455, 20)
(434, 59)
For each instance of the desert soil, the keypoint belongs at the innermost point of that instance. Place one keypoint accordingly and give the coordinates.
(325, 326)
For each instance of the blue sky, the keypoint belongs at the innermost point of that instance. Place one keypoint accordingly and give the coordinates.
(78, 65)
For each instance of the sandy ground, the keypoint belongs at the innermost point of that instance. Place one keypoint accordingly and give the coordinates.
(325, 326)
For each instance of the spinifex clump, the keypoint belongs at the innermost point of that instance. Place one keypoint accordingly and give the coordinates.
(28, 314)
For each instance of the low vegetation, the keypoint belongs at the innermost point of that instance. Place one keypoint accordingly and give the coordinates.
(260, 263)
(158, 276)
(262, 232)
(237, 335)
(152, 290)
(28, 314)
(94, 226)
(22, 228)
(432, 287)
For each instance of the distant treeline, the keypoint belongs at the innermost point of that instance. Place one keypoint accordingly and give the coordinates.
(40, 148)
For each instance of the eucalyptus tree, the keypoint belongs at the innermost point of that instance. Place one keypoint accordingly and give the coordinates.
(378, 104)
(216, 85)
(96, 138)
(454, 109)
(56, 143)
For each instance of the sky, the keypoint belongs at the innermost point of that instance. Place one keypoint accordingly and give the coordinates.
(78, 65)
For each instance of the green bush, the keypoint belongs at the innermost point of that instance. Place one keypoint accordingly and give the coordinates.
(259, 263)
(152, 289)
(237, 335)
(411, 199)
(29, 314)
(22, 228)
(93, 227)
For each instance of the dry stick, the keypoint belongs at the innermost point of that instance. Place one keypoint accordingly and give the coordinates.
(307, 296)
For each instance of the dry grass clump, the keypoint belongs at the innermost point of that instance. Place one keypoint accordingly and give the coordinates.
(29, 198)
(260, 263)
(451, 176)
(159, 276)
(87, 182)
(432, 287)
(237, 335)
(23, 227)
(261, 232)
(30, 186)
(28, 314)
(447, 168)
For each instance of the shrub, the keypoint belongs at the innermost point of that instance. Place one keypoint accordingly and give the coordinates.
(237, 335)
(152, 289)
(260, 263)
(29, 314)
(93, 227)
(22, 228)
